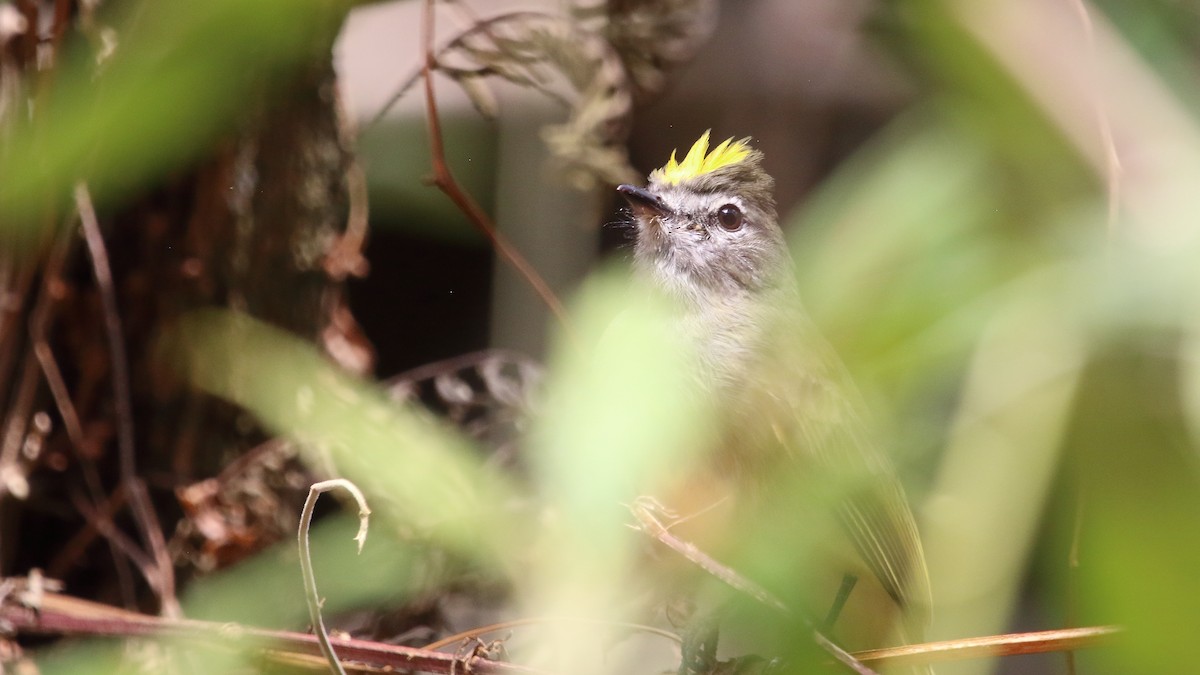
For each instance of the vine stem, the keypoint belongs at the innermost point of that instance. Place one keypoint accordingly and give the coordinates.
(306, 569)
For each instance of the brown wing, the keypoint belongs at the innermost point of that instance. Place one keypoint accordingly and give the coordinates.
(818, 417)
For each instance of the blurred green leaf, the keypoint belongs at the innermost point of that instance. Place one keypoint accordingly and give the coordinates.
(1140, 481)
(876, 247)
(267, 591)
(167, 655)
(621, 416)
(180, 74)
(622, 407)
(411, 468)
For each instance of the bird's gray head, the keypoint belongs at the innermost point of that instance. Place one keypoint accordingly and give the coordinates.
(707, 235)
(706, 226)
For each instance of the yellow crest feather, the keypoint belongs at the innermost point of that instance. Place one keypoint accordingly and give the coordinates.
(699, 161)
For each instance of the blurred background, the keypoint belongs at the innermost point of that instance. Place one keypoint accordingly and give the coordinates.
(991, 204)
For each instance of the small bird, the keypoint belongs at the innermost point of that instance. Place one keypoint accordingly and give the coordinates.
(708, 237)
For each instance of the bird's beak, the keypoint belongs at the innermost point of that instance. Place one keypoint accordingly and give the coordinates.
(643, 202)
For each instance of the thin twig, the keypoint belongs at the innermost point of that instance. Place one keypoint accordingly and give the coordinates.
(113, 329)
(395, 98)
(139, 502)
(1013, 644)
(82, 539)
(39, 326)
(58, 614)
(645, 510)
(469, 21)
(517, 623)
(477, 26)
(310, 582)
(445, 181)
(102, 523)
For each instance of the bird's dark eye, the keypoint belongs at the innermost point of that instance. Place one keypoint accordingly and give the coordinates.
(730, 217)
